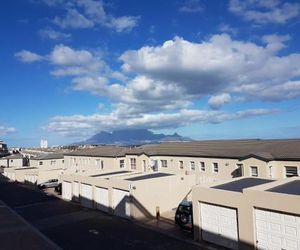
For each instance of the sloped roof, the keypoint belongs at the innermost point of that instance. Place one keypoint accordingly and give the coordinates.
(280, 149)
(266, 149)
(58, 155)
(105, 151)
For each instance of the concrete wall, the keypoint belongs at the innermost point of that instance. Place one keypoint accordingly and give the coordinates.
(47, 164)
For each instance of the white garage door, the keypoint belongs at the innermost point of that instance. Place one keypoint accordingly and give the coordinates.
(101, 198)
(277, 230)
(219, 225)
(67, 190)
(75, 191)
(86, 195)
(121, 204)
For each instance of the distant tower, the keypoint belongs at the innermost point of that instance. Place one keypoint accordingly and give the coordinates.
(44, 143)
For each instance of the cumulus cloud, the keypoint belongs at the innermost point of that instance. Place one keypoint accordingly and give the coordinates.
(267, 11)
(219, 65)
(191, 6)
(217, 101)
(6, 130)
(226, 28)
(159, 85)
(49, 33)
(28, 57)
(82, 14)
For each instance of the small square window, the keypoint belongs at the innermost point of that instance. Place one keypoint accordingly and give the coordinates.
(164, 163)
(254, 171)
(202, 166)
(181, 164)
(291, 171)
(215, 167)
(192, 165)
(122, 163)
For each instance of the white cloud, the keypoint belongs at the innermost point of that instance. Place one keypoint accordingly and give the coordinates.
(219, 65)
(88, 125)
(267, 11)
(28, 57)
(6, 130)
(73, 19)
(49, 33)
(191, 6)
(82, 14)
(226, 28)
(217, 101)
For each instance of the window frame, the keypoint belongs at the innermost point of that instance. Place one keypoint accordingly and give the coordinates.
(215, 167)
(202, 166)
(251, 172)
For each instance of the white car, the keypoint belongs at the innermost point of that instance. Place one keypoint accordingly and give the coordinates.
(48, 184)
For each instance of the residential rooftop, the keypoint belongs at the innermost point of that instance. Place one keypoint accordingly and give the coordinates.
(292, 187)
(239, 185)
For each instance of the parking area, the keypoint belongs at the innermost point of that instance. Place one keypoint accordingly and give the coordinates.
(70, 226)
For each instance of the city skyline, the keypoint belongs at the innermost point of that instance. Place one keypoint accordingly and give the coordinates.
(204, 69)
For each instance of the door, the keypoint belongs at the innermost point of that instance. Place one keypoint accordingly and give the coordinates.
(219, 225)
(75, 191)
(276, 230)
(86, 195)
(101, 198)
(121, 203)
(67, 190)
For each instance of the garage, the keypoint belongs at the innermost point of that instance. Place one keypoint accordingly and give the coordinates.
(276, 230)
(219, 225)
(67, 190)
(86, 195)
(75, 191)
(121, 203)
(101, 198)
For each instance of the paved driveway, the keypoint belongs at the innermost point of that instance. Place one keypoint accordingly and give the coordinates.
(72, 227)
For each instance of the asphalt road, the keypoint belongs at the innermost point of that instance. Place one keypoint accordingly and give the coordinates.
(70, 226)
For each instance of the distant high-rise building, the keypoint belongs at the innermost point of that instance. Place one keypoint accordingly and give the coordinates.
(44, 143)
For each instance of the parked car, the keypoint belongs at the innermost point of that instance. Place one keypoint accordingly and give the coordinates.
(58, 188)
(184, 215)
(48, 184)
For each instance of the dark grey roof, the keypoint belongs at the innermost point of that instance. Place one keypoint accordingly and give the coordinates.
(49, 156)
(239, 185)
(148, 176)
(112, 173)
(281, 149)
(104, 151)
(14, 156)
(292, 187)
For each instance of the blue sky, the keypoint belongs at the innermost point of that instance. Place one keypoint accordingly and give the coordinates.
(206, 69)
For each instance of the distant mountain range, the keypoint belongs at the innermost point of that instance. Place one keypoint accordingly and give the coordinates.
(132, 137)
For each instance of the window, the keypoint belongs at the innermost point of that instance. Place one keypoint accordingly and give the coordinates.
(133, 163)
(52, 162)
(164, 163)
(181, 164)
(102, 164)
(254, 171)
(122, 164)
(40, 163)
(192, 165)
(291, 171)
(270, 172)
(215, 167)
(202, 166)
(239, 170)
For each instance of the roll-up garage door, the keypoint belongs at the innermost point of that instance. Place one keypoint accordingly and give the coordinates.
(101, 198)
(121, 203)
(219, 225)
(86, 195)
(275, 230)
(67, 190)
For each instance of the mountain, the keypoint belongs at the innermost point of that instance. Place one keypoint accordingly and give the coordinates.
(132, 137)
